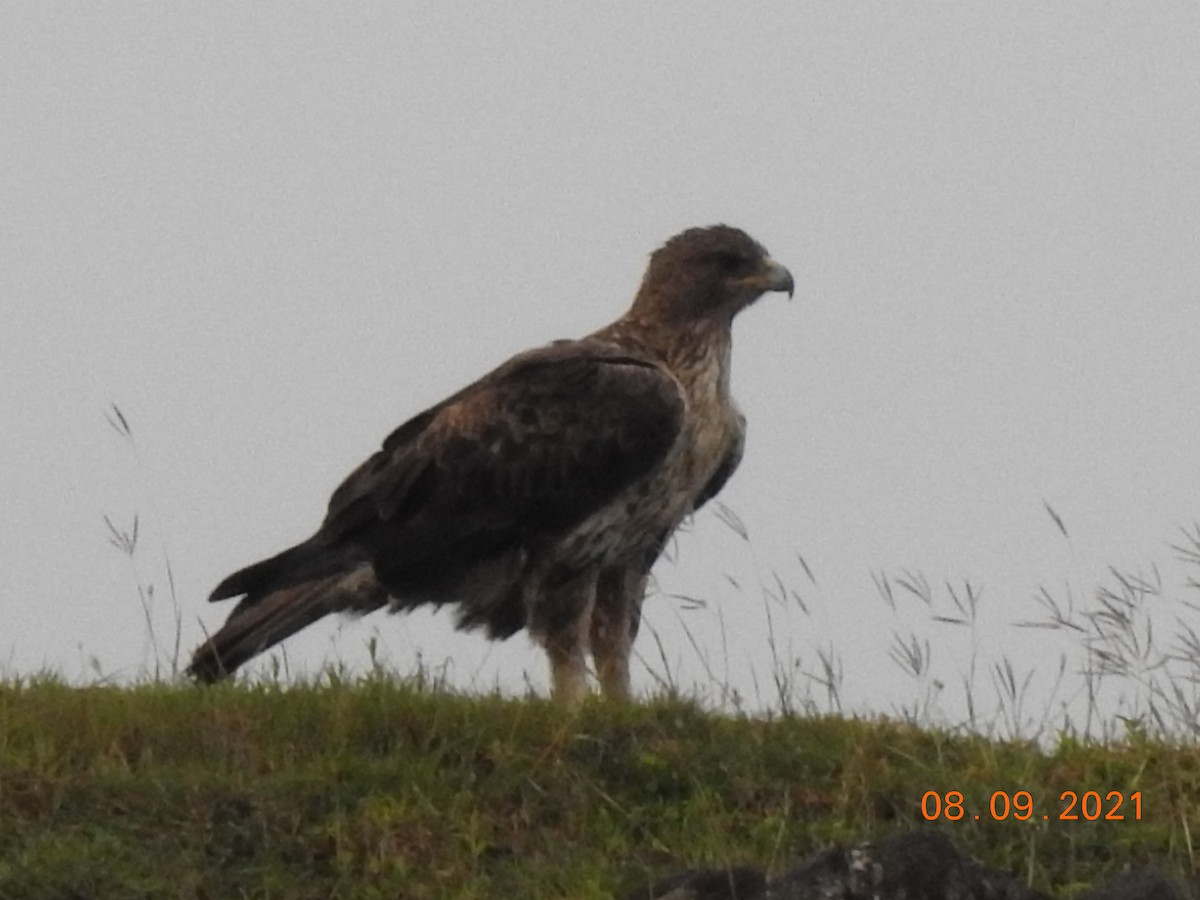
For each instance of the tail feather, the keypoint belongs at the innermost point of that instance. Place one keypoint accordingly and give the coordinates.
(306, 561)
(263, 620)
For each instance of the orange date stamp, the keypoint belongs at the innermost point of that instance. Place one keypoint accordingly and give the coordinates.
(1072, 806)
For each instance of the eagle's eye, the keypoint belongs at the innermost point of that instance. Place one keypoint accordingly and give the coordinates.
(730, 263)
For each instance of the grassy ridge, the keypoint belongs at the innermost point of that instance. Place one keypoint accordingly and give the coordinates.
(377, 789)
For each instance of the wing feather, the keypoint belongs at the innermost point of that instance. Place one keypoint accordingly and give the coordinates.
(529, 450)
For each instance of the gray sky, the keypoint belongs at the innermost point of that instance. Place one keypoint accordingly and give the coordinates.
(271, 232)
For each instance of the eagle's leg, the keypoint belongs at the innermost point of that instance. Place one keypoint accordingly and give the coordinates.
(568, 671)
(566, 641)
(615, 620)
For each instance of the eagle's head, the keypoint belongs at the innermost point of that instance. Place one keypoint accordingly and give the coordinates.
(708, 274)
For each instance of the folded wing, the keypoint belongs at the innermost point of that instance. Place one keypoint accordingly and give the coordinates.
(447, 509)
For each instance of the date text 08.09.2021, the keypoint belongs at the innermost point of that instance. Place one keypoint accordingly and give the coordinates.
(1091, 806)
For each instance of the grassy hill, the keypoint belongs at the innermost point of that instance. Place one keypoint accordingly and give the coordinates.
(375, 788)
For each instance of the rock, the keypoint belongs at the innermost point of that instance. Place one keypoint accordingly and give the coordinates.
(918, 865)
(1143, 884)
(922, 865)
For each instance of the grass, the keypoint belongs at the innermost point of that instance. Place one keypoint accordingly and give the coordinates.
(386, 786)
(380, 788)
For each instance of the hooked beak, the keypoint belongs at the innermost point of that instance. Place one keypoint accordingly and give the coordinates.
(778, 278)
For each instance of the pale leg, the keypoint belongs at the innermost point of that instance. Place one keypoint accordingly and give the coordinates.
(568, 671)
(615, 621)
(566, 644)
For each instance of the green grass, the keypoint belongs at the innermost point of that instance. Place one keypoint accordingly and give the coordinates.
(375, 788)
(398, 788)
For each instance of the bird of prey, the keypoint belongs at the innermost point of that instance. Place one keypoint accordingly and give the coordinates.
(539, 496)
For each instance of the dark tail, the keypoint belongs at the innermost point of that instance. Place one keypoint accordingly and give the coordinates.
(307, 561)
(284, 594)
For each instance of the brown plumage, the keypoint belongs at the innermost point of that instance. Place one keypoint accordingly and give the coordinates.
(539, 496)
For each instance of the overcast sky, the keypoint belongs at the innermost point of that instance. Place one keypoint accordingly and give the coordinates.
(271, 232)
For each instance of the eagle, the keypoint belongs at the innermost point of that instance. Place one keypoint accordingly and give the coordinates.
(539, 496)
